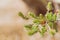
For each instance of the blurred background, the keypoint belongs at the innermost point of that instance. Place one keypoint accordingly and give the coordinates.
(12, 26)
(39, 6)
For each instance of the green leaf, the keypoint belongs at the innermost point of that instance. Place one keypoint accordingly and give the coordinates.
(28, 27)
(36, 21)
(33, 30)
(52, 32)
(35, 27)
(42, 19)
(24, 17)
(49, 16)
(50, 24)
(54, 17)
(21, 14)
(43, 30)
(41, 16)
(32, 14)
(49, 6)
(55, 26)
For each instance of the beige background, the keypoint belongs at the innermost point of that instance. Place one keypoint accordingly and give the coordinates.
(11, 25)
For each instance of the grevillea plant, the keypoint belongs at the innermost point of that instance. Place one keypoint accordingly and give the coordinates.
(42, 23)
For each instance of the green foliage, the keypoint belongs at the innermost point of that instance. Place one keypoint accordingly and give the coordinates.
(33, 30)
(21, 14)
(49, 19)
(28, 26)
(50, 24)
(36, 21)
(49, 6)
(43, 30)
(49, 16)
(24, 17)
(54, 17)
(52, 32)
(41, 16)
(32, 15)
